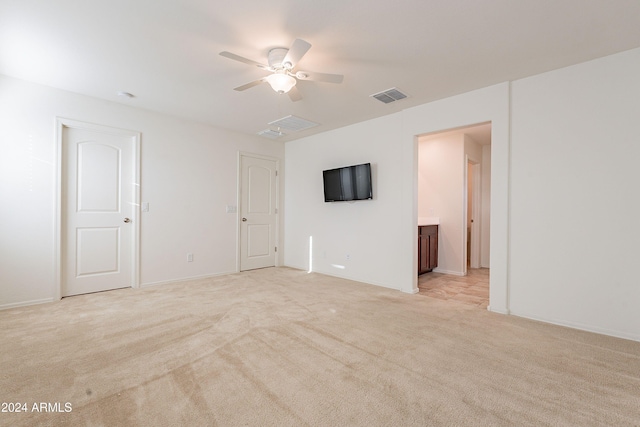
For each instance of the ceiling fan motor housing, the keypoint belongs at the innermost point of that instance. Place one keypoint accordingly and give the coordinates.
(276, 57)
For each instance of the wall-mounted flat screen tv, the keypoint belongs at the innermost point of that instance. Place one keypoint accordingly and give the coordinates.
(347, 183)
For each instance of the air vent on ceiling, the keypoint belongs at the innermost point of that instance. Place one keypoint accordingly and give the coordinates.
(389, 95)
(293, 123)
(270, 133)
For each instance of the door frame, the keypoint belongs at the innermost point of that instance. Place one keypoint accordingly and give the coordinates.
(242, 154)
(62, 123)
(476, 200)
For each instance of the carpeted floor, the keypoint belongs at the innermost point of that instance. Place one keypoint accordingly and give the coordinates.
(280, 347)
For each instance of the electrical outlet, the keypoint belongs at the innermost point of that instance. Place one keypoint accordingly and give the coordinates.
(348, 257)
(189, 257)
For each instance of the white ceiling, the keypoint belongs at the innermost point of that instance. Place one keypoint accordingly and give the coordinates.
(166, 52)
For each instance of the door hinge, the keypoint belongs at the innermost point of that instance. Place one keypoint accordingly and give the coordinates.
(276, 173)
(276, 248)
(276, 210)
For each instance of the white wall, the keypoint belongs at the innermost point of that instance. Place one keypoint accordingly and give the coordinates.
(367, 231)
(575, 202)
(188, 176)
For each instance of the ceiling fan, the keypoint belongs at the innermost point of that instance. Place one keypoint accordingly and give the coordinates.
(282, 63)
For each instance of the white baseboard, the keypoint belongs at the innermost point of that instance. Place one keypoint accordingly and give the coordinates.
(184, 279)
(144, 285)
(581, 327)
(25, 303)
(498, 311)
(356, 279)
(453, 273)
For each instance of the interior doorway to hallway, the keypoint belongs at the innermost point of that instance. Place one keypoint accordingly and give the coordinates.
(454, 170)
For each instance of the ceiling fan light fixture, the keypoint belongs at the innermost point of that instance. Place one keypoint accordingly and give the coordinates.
(281, 82)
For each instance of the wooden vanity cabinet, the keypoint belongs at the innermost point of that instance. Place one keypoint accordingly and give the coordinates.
(427, 248)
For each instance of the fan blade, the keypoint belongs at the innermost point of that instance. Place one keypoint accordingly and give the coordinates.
(294, 94)
(320, 77)
(249, 85)
(296, 52)
(243, 59)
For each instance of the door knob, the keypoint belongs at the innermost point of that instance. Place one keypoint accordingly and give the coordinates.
(127, 220)
(244, 219)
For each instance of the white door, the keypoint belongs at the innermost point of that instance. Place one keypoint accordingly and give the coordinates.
(258, 212)
(97, 210)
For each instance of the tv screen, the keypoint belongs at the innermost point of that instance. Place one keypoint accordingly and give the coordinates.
(347, 183)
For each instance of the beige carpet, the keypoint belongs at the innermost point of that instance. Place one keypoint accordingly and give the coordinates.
(279, 347)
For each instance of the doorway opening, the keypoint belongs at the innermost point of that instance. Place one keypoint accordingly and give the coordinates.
(454, 169)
